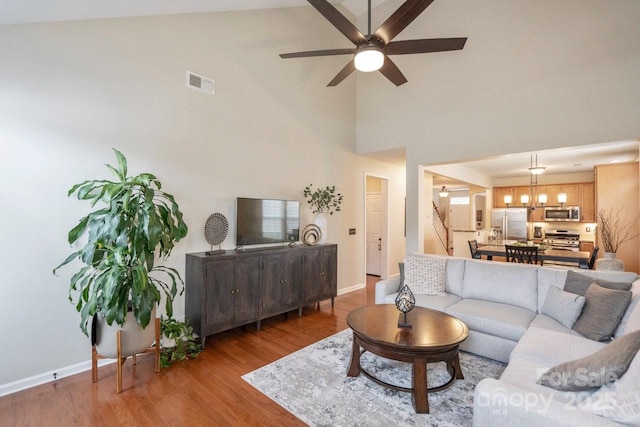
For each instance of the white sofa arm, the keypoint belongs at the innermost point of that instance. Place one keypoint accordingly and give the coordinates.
(387, 286)
(497, 403)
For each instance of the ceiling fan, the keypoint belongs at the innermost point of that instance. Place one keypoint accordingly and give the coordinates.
(372, 51)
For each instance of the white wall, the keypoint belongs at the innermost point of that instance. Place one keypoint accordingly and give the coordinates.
(533, 75)
(69, 92)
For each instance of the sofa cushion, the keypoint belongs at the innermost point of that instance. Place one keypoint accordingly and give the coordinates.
(619, 401)
(436, 302)
(549, 277)
(523, 373)
(513, 284)
(425, 275)
(603, 310)
(545, 322)
(502, 320)
(550, 348)
(579, 283)
(600, 368)
(631, 320)
(565, 307)
(454, 275)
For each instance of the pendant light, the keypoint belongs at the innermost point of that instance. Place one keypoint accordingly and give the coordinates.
(443, 192)
(533, 197)
(369, 57)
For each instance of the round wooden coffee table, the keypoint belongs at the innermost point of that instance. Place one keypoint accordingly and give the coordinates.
(433, 337)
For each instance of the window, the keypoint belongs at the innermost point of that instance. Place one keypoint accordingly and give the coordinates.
(459, 200)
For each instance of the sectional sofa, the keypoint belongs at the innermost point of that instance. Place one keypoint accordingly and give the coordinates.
(535, 319)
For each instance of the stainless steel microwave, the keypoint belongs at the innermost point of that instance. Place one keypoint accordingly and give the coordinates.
(567, 213)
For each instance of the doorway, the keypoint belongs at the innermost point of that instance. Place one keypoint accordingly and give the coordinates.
(376, 225)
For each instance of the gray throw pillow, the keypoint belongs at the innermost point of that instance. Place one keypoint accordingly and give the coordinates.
(579, 283)
(603, 309)
(565, 307)
(601, 368)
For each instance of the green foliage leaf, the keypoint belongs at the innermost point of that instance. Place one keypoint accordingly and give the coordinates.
(137, 222)
(326, 200)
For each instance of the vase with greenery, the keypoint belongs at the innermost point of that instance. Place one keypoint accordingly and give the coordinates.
(323, 201)
(178, 342)
(134, 224)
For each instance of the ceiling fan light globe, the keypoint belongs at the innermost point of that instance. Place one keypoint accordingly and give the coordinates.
(369, 59)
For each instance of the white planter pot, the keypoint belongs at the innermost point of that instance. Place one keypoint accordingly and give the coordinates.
(321, 221)
(135, 340)
(168, 342)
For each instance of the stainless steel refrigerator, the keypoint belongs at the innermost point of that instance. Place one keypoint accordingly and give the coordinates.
(512, 222)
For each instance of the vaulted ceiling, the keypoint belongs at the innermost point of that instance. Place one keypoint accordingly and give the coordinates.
(30, 11)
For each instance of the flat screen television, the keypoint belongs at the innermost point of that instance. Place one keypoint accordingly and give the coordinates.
(262, 221)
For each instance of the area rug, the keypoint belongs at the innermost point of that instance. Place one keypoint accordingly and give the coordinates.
(312, 384)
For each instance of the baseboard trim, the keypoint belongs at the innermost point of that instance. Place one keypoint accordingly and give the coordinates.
(51, 376)
(352, 288)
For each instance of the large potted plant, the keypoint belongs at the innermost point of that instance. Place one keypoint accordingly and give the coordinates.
(135, 224)
(323, 201)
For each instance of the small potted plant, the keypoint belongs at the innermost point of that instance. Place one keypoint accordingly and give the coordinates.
(323, 201)
(178, 342)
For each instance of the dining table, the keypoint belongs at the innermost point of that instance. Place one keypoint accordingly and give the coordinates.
(561, 255)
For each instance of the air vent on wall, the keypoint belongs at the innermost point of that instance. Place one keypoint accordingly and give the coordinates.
(201, 83)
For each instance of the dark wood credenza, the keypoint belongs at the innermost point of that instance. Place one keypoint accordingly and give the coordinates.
(239, 287)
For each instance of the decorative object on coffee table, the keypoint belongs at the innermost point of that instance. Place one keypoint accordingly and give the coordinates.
(215, 231)
(311, 234)
(405, 301)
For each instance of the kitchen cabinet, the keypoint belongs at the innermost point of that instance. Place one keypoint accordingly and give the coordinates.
(236, 288)
(586, 246)
(587, 202)
(571, 190)
(498, 196)
(536, 215)
(578, 194)
(617, 191)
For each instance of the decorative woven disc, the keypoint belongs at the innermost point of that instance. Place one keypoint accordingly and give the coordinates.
(311, 234)
(216, 228)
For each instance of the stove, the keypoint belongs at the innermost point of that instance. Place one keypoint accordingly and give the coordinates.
(562, 239)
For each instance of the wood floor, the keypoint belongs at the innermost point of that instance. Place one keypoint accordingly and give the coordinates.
(207, 391)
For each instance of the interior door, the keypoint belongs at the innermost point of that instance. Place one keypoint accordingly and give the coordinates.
(374, 235)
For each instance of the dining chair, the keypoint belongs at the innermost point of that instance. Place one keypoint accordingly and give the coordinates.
(522, 254)
(473, 247)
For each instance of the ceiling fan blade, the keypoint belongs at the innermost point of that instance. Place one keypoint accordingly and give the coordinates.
(400, 19)
(391, 71)
(338, 20)
(343, 74)
(405, 47)
(327, 52)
